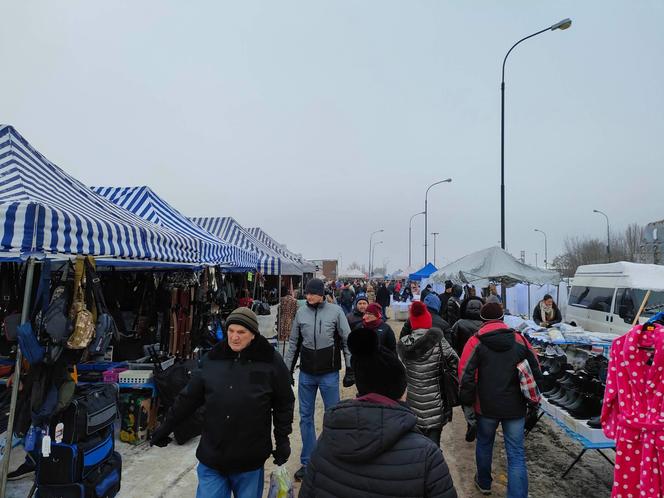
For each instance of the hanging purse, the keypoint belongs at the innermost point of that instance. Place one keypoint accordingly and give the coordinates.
(84, 325)
(105, 327)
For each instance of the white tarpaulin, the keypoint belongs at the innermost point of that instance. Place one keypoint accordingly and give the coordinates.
(494, 265)
(352, 274)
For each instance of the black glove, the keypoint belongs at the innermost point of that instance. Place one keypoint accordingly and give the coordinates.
(160, 437)
(349, 378)
(282, 453)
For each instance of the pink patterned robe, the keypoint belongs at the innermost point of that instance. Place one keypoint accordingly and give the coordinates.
(633, 413)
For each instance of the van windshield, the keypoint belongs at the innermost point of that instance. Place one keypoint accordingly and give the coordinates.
(628, 302)
(594, 298)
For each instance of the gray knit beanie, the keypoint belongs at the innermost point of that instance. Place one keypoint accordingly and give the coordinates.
(245, 317)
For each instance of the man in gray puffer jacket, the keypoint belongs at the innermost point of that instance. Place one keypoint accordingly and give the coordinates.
(318, 337)
(370, 446)
(428, 357)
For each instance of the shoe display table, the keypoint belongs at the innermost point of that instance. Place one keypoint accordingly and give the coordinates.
(590, 439)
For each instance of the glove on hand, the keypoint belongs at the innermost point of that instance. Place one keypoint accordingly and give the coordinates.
(349, 378)
(282, 453)
(160, 438)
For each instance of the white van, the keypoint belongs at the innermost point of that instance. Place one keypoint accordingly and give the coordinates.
(607, 297)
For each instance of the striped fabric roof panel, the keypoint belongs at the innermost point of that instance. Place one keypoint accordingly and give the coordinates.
(44, 209)
(260, 234)
(228, 229)
(143, 202)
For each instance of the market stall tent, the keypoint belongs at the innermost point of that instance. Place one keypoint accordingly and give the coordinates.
(425, 272)
(352, 274)
(494, 265)
(46, 213)
(261, 235)
(228, 229)
(45, 210)
(144, 202)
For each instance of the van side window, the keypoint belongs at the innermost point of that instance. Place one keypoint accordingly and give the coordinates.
(625, 306)
(594, 298)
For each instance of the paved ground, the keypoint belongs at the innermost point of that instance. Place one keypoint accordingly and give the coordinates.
(171, 472)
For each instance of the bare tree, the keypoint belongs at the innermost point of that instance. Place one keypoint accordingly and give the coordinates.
(579, 251)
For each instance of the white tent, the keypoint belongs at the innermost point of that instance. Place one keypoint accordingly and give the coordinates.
(494, 265)
(352, 274)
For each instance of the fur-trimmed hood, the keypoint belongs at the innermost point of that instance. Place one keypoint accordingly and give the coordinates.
(258, 350)
(420, 343)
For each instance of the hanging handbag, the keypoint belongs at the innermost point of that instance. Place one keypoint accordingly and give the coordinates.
(84, 326)
(105, 327)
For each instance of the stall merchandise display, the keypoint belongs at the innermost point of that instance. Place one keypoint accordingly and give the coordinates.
(634, 409)
(79, 458)
(137, 417)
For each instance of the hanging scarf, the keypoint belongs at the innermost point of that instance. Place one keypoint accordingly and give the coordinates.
(547, 312)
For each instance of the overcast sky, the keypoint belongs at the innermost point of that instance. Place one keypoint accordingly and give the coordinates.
(321, 121)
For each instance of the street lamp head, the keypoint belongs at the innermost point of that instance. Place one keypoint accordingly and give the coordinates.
(564, 24)
(595, 211)
(449, 180)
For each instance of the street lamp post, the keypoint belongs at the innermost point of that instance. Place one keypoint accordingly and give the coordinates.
(564, 24)
(373, 250)
(410, 236)
(426, 216)
(435, 235)
(608, 235)
(546, 250)
(371, 247)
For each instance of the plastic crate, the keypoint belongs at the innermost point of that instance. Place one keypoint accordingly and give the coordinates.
(145, 363)
(112, 376)
(135, 377)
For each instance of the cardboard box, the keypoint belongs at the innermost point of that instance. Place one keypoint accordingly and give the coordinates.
(593, 435)
(138, 417)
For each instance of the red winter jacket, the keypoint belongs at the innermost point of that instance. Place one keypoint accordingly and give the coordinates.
(488, 377)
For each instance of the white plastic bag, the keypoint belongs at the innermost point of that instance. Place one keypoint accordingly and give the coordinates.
(281, 485)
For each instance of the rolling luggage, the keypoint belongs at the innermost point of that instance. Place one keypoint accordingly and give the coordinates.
(93, 407)
(102, 482)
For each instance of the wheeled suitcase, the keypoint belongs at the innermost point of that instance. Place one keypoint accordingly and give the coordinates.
(93, 407)
(102, 482)
(70, 463)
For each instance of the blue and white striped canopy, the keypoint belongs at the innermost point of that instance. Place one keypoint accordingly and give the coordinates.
(43, 209)
(304, 265)
(143, 202)
(229, 229)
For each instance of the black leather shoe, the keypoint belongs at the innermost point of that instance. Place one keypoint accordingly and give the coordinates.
(595, 422)
(589, 408)
(299, 475)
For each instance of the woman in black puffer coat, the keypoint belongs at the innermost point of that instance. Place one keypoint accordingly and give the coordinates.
(427, 356)
(370, 446)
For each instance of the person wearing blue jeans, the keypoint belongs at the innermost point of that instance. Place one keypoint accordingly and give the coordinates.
(308, 386)
(318, 337)
(212, 483)
(513, 434)
(490, 393)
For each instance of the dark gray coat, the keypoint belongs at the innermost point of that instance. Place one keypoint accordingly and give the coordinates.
(374, 450)
(425, 353)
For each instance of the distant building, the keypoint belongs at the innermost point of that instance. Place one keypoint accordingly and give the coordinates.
(652, 248)
(326, 268)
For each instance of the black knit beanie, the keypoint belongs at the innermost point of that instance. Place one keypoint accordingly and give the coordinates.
(245, 317)
(315, 286)
(376, 368)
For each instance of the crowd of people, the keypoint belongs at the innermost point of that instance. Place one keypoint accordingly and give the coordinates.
(454, 350)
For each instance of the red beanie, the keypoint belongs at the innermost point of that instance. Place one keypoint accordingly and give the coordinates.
(375, 309)
(420, 318)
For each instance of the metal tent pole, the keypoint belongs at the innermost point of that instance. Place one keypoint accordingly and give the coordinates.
(25, 316)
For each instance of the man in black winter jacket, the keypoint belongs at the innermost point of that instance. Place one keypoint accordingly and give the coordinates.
(356, 316)
(245, 387)
(489, 383)
(370, 446)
